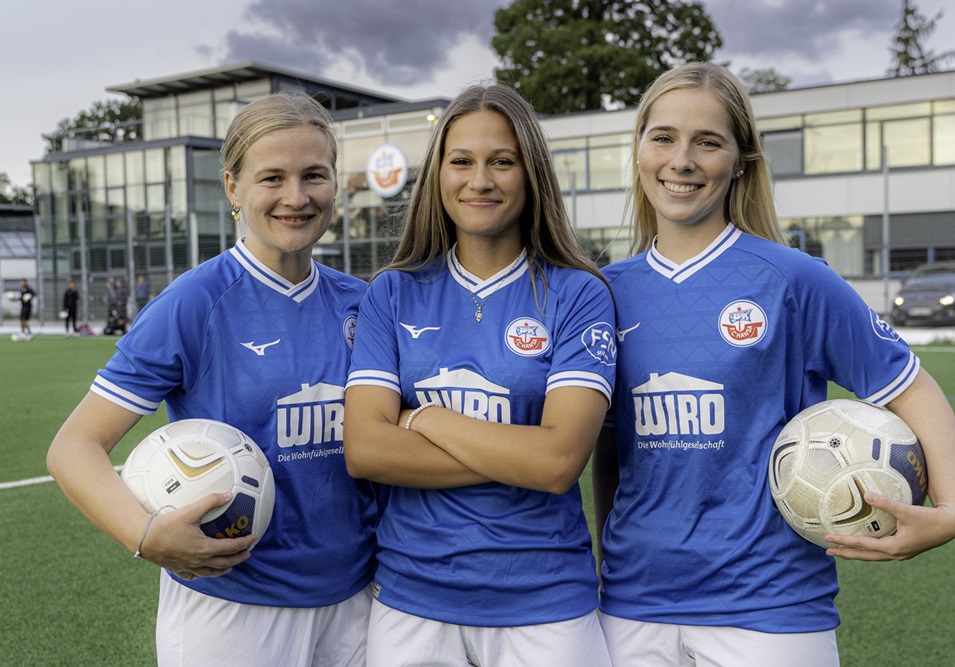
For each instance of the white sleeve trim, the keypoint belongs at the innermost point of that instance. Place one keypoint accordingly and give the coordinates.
(123, 398)
(375, 379)
(897, 386)
(580, 379)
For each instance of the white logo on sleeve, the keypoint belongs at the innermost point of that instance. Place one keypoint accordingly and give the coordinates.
(348, 331)
(600, 343)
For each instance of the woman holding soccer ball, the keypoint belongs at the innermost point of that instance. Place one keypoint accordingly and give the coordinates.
(724, 334)
(237, 339)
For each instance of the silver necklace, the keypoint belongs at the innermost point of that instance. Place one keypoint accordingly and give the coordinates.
(478, 315)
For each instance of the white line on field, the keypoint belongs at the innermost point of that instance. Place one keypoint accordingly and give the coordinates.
(35, 480)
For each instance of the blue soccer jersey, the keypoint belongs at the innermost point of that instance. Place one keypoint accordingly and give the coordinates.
(233, 341)
(491, 554)
(714, 357)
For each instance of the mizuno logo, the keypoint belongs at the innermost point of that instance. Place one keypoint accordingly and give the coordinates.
(623, 332)
(260, 349)
(417, 331)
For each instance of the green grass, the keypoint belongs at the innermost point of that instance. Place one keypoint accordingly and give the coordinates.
(71, 596)
(68, 594)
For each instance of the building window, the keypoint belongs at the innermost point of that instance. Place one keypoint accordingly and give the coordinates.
(571, 166)
(783, 152)
(907, 142)
(833, 149)
(195, 114)
(609, 167)
(943, 139)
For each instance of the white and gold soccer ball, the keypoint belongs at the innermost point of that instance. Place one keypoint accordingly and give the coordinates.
(830, 454)
(185, 460)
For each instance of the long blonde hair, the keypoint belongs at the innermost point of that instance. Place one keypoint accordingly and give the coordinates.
(749, 203)
(546, 233)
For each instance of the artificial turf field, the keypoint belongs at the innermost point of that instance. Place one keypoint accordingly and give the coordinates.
(71, 596)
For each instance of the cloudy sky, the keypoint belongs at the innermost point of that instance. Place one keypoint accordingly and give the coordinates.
(59, 56)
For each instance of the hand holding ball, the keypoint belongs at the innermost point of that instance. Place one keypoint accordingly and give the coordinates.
(185, 460)
(829, 455)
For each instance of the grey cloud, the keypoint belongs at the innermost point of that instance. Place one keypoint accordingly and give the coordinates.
(810, 29)
(395, 42)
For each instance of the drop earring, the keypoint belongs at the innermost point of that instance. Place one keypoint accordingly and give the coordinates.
(235, 213)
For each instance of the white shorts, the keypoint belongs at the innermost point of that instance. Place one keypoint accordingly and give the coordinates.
(197, 629)
(662, 644)
(397, 639)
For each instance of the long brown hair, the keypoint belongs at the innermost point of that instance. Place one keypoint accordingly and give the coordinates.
(546, 232)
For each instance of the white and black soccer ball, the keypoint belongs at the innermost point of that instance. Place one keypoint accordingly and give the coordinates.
(830, 454)
(185, 460)
(17, 337)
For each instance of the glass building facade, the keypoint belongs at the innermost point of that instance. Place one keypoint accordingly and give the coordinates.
(157, 207)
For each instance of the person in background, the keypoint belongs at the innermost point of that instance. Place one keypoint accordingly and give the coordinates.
(482, 371)
(259, 338)
(70, 302)
(112, 294)
(724, 335)
(26, 308)
(141, 292)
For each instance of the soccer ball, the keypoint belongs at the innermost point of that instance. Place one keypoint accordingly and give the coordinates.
(829, 455)
(185, 460)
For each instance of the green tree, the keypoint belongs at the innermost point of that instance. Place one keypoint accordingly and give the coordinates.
(909, 54)
(110, 121)
(577, 55)
(763, 80)
(14, 194)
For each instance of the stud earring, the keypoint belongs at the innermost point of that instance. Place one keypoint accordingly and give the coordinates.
(739, 172)
(235, 213)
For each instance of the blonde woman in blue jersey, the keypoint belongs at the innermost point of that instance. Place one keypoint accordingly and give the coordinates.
(484, 358)
(258, 337)
(724, 334)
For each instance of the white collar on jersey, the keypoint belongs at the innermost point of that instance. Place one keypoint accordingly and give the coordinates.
(270, 278)
(680, 272)
(485, 288)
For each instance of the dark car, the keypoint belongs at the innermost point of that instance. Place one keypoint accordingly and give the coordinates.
(927, 296)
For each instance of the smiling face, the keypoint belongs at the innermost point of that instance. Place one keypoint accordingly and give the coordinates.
(482, 179)
(687, 157)
(286, 191)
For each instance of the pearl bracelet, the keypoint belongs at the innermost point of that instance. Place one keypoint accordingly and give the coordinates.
(414, 413)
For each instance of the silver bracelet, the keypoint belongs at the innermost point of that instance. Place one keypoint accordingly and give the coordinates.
(139, 549)
(414, 413)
